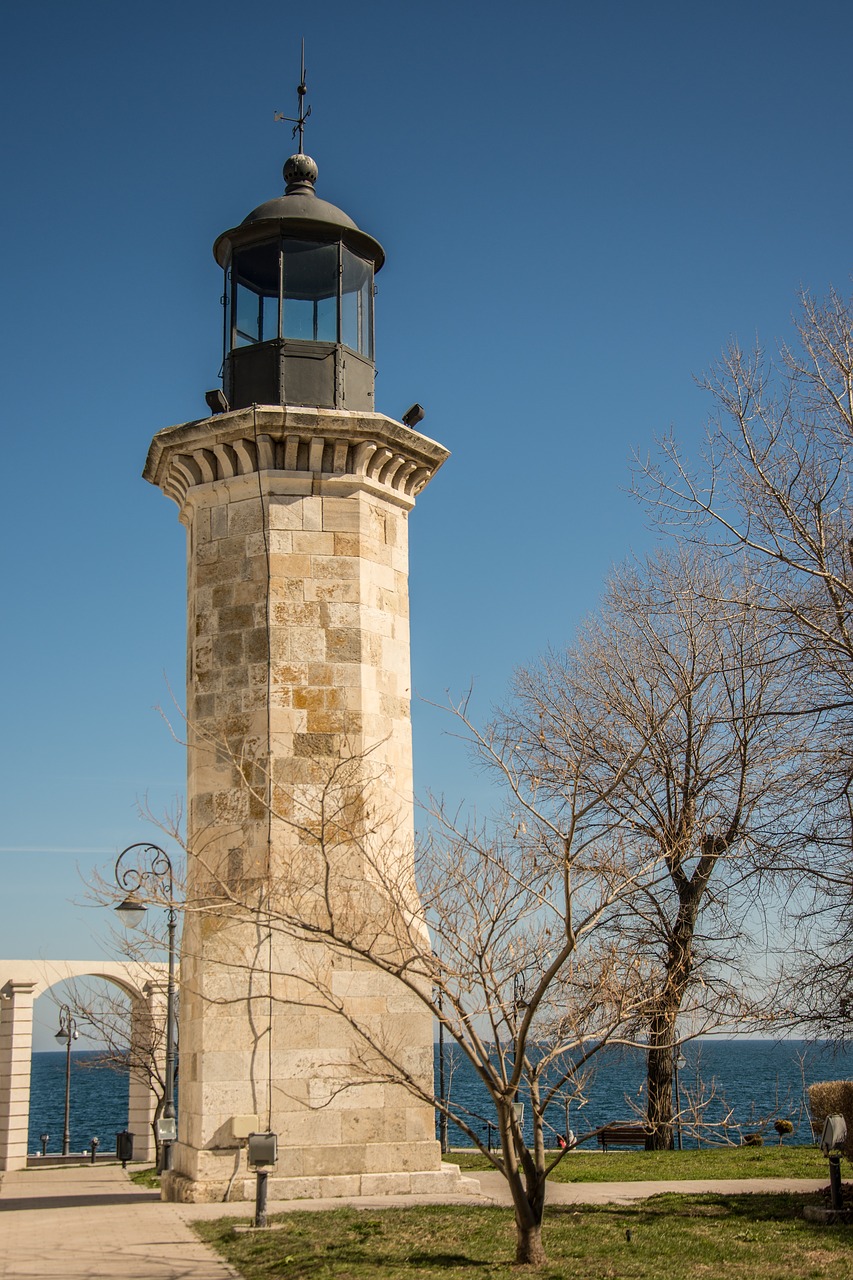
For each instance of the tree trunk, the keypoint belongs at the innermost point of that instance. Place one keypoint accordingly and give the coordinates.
(527, 1186)
(155, 1122)
(528, 1248)
(660, 1057)
(659, 1086)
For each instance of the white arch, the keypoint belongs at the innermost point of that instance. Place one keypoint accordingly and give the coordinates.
(21, 982)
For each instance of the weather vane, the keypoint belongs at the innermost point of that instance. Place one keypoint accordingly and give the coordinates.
(298, 122)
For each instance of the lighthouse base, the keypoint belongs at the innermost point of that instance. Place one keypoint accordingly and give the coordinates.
(447, 1180)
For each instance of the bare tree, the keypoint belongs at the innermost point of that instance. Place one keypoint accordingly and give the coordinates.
(498, 928)
(643, 773)
(775, 482)
(680, 674)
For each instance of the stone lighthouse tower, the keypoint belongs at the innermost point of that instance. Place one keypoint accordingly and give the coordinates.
(295, 495)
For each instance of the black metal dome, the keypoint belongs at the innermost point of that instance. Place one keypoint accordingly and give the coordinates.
(299, 212)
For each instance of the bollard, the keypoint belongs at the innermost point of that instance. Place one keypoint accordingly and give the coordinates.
(93, 1146)
(44, 1138)
(261, 1199)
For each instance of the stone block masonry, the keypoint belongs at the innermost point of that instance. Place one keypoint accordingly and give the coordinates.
(299, 797)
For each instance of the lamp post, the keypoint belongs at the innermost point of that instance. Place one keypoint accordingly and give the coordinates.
(442, 1114)
(442, 1118)
(66, 1033)
(136, 866)
(679, 1062)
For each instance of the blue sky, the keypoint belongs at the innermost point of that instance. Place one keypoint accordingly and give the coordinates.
(579, 205)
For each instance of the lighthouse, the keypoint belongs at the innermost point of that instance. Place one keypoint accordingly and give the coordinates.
(295, 494)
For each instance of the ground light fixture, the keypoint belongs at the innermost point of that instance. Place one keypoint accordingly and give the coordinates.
(140, 869)
(262, 1152)
(65, 1035)
(832, 1139)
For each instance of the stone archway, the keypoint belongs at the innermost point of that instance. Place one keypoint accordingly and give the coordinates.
(21, 982)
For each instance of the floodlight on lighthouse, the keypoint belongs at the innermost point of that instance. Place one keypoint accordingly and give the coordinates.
(414, 415)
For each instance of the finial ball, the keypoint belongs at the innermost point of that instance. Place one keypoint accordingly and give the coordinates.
(300, 168)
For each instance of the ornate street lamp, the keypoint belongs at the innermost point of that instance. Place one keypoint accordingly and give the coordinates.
(66, 1033)
(137, 866)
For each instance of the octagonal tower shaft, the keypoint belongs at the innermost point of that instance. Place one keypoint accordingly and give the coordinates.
(299, 798)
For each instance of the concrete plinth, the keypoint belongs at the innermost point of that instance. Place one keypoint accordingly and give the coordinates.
(827, 1217)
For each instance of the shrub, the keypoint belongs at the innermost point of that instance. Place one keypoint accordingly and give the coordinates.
(829, 1098)
(752, 1140)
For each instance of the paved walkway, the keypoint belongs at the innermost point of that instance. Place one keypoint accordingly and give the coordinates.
(493, 1185)
(90, 1222)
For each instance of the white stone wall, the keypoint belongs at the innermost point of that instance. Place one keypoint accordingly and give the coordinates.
(16, 1039)
(298, 667)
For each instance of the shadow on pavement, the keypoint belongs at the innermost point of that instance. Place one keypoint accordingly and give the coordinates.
(7, 1204)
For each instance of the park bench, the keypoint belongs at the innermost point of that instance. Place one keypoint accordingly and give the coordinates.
(622, 1135)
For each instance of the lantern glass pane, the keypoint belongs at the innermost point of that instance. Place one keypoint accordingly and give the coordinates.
(255, 274)
(357, 304)
(310, 291)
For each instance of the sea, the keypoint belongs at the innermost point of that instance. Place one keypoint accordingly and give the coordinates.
(97, 1101)
(730, 1087)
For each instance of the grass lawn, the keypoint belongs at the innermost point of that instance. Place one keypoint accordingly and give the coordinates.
(755, 1237)
(719, 1162)
(145, 1177)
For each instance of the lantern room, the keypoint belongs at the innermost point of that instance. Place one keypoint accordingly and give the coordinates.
(298, 302)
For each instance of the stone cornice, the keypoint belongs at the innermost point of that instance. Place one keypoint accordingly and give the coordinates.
(330, 449)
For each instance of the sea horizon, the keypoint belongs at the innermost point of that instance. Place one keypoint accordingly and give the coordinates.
(756, 1079)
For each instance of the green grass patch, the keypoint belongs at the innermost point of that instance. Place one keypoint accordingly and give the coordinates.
(641, 1166)
(755, 1237)
(146, 1178)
